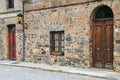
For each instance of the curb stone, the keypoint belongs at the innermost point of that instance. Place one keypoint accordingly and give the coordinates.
(103, 78)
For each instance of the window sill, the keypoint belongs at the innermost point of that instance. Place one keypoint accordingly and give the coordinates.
(9, 9)
(57, 54)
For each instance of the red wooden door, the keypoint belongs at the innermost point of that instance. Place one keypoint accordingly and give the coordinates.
(103, 43)
(12, 42)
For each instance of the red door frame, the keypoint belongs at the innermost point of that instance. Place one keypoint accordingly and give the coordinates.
(12, 42)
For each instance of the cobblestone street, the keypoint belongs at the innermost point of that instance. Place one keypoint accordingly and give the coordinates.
(19, 73)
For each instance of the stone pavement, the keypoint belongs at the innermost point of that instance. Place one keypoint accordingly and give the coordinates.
(22, 73)
(104, 73)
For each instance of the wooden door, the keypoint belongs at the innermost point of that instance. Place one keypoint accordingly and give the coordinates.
(12, 42)
(103, 43)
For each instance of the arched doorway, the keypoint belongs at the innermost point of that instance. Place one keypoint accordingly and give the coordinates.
(103, 37)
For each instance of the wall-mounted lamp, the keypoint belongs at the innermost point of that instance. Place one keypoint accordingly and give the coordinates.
(20, 18)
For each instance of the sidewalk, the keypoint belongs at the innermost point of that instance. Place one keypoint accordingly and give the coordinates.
(104, 73)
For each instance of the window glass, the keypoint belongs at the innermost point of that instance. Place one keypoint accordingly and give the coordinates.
(63, 49)
(57, 42)
(56, 36)
(62, 43)
(56, 48)
(104, 12)
(10, 3)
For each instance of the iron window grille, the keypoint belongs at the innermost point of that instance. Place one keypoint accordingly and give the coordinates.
(57, 42)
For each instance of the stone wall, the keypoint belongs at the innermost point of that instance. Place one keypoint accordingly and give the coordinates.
(43, 4)
(72, 17)
(2, 49)
(7, 17)
(67, 19)
(76, 21)
(116, 11)
(5, 38)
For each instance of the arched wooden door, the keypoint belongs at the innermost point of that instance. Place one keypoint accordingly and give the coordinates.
(103, 42)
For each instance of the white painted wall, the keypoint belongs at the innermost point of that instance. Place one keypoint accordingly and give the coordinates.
(5, 12)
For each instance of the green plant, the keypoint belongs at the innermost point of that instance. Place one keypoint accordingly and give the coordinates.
(35, 61)
(61, 53)
(62, 64)
(55, 60)
(73, 66)
(26, 1)
(78, 66)
(46, 0)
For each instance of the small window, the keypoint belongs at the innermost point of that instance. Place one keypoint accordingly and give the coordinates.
(103, 12)
(10, 3)
(57, 43)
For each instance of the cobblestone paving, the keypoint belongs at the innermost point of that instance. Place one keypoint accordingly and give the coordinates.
(19, 73)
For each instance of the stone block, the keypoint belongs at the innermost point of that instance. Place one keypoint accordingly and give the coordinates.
(71, 55)
(117, 47)
(43, 59)
(53, 60)
(35, 50)
(117, 54)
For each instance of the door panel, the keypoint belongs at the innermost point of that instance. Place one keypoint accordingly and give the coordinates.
(109, 45)
(97, 44)
(10, 45)
(103, 43)
(12, 42)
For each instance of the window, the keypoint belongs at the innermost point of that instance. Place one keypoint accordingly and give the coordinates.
(104, 12)
(57, 43)
(10, 3)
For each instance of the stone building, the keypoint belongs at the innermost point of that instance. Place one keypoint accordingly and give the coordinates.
(78, 33)
(9, 35)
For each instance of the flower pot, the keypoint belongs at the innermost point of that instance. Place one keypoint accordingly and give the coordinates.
(56, 53)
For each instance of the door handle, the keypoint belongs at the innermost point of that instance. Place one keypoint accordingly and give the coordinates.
(98, 49)
(108, 49)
